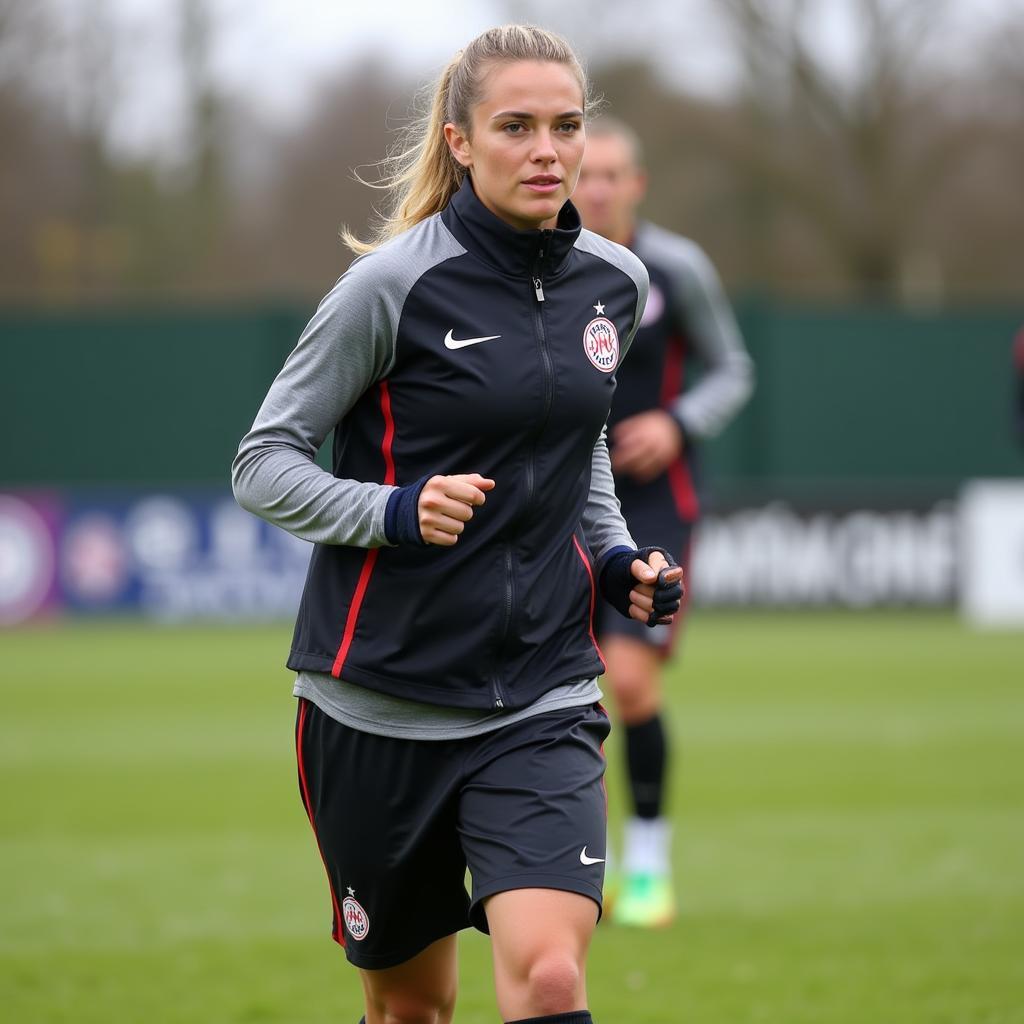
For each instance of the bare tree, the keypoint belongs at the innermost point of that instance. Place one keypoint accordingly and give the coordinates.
(859, 152)
(890, 171)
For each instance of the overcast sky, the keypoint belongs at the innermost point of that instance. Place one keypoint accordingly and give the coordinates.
(276, 50)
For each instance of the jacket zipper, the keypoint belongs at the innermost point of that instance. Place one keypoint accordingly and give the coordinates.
(549, 390)
(545, 358)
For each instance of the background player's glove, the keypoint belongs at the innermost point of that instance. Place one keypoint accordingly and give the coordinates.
(617, 580)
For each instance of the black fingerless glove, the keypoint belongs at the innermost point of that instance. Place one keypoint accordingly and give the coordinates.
(667, 597)
(402, 514)
(616, 581)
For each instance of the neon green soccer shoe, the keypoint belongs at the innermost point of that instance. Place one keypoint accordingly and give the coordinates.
(646, 901)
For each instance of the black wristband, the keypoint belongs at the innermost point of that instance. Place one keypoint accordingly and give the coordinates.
(402, 514)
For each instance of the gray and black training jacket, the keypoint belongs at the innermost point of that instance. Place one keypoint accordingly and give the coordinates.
(461, 346)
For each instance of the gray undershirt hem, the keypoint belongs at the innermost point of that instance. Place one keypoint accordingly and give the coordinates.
(380, 713)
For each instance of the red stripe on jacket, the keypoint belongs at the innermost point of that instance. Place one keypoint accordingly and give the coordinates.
(593, 598)
(371, 555)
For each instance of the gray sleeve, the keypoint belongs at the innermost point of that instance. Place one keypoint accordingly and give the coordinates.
(642, 281)
(345, 349)
(630, 264)
(728, 380)
(603, 524)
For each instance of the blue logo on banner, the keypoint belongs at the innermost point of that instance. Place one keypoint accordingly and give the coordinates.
(170, 555)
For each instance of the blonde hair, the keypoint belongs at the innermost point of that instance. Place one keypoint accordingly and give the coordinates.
(420, 174)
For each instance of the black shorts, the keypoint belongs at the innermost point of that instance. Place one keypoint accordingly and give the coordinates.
(674, 535)
(399, 821)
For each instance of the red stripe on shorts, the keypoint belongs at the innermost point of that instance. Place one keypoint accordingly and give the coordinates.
(336, 930)
(604, 756)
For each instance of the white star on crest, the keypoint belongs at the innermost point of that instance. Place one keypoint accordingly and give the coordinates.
(351, 891)
(599, 308)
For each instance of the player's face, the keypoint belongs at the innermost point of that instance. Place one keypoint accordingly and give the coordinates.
(611, 187)
(526, 141)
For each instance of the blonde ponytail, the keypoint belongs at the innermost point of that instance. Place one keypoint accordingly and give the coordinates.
(420, 174)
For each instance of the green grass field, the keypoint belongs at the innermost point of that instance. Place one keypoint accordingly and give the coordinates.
(850, 838)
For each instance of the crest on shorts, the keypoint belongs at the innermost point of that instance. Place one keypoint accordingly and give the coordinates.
(601, 343)
(357, 921)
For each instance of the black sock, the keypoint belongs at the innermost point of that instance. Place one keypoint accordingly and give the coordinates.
(647, 757)
(573, 1017)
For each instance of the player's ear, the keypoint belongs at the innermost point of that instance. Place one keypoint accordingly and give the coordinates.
(459, 144)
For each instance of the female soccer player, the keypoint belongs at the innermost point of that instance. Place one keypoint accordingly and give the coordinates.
(444, 648)
(654, 431)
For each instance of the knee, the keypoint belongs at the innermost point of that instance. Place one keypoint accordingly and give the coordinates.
(554, 984)
(636, 697)
(412, 1009)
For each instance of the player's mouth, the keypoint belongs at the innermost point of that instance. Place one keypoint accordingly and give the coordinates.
(543, 184)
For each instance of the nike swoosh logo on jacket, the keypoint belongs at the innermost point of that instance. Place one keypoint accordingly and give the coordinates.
(454, 345)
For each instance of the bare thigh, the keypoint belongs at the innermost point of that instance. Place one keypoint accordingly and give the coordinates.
(419, 991)
(540, 939)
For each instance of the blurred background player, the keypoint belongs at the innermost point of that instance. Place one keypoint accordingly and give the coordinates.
(1018, 364)
(654, 428)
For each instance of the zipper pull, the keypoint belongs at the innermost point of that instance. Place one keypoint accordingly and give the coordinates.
(498, 702)
(537, 286)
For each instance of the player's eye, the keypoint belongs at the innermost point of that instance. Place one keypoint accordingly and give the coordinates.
(569, 127)
(515, 128)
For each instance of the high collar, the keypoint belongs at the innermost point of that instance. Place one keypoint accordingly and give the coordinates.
(535, 253)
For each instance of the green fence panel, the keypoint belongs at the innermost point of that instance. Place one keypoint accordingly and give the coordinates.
(848, 399)
(852, 399)
(132, 396)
